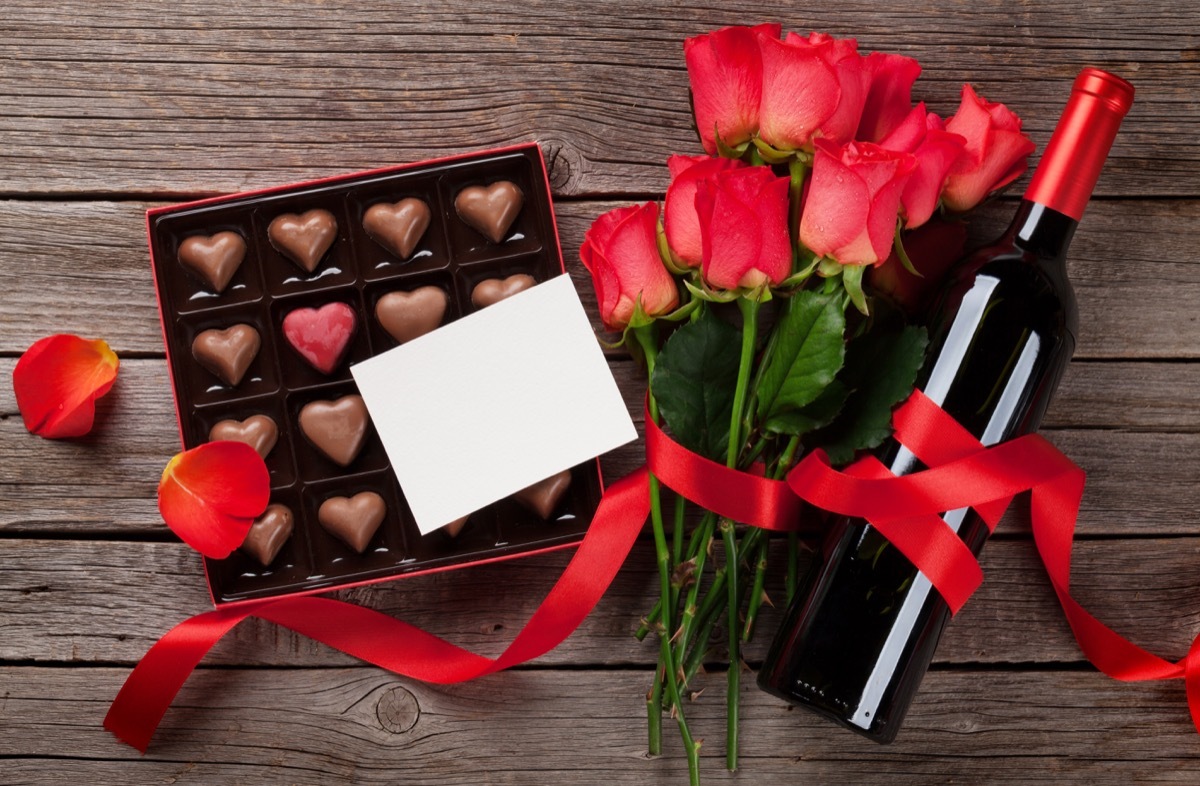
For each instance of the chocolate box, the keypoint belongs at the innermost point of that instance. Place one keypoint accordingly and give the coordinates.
(356, 270)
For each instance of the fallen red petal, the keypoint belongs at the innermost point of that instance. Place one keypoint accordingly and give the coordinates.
(57, 382)
(210, 495)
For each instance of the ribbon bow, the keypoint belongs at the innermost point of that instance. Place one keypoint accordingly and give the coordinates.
(907, 510)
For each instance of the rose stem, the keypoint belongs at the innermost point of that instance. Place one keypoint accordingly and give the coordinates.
(756, 591)
(652, 617)
(749, 308)
(648, 339)
(703, 541)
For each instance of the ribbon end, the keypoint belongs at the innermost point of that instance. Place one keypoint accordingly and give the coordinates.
(134, 738)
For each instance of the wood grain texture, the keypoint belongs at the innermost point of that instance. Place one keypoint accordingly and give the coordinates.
(110, 107)
(83, 267)
(357, 725)
(110, 98)
(73, 602)
(1131, 426)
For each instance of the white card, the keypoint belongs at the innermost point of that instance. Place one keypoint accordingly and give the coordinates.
(494, 402)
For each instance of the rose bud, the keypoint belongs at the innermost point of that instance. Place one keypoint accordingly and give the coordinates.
(620, 250)
(937, 151)
(853, 201)
(680, 221)
(997, 150)
(725, 71)
(889, 97)
(744, 228)
(812, 87)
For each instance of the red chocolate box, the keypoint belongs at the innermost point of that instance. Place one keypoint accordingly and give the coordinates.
(301, 254)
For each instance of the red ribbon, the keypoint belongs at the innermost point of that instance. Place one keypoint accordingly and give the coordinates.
(907, 510)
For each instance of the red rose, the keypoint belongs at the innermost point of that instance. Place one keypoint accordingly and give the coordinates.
(620, 250)
(937, 151)
(853, 200)
(812, 87)
(890, 95)
(680, 221)
(744, 228)
(725, 70)
(997, 150)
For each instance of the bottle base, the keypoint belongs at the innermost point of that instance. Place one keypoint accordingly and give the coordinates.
(882, 734)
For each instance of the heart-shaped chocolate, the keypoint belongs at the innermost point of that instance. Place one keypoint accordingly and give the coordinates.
(257, 431)
(336, 428)
(227, 353)
(355, 519)
(490, 210)
(406, 315)
(322, 335)
(268, 533)
(493, 290)
(542, 497)
(304, 238)
(214, 258)
(397, 227)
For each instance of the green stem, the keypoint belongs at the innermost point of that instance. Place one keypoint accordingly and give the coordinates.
(756, 591)
(648, 339)
(654, 711)
(701, 540)
(749, 308)
(799, 171)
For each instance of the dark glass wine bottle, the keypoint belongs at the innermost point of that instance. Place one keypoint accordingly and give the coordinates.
(860, 634)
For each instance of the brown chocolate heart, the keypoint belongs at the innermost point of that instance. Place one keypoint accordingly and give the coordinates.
(257, 431)
(490, 210)
(304, 238)
(454, 527)
(227, 353)
(406, 315)
(268, 533)
(542, 497)
(353, 519)
(493, 290)
(214, 258)
(336, 428)
(398, 227)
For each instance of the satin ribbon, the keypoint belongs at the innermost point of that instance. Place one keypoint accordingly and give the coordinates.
(907, 510)
(382, 640)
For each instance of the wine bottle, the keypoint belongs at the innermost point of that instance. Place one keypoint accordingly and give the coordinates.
(861, 632)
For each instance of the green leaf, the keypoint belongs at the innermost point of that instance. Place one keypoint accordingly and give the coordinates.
(807, 354)
(694, 382)
(818, 414)
(881, 368)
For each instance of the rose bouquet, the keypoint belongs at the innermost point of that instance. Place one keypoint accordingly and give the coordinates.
(768, 300)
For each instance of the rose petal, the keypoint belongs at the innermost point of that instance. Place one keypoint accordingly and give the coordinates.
(57, 382)
(210, 495)
(726, 74)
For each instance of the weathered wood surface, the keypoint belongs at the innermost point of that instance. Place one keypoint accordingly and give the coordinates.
(67, 601)
(85, 269)
(1134, 426)
(196, 97)
(106, 105)
(358, 725)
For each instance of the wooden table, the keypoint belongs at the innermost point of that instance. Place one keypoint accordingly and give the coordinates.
(109, 107)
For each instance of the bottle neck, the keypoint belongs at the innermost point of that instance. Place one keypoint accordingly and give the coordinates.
(1042, 231)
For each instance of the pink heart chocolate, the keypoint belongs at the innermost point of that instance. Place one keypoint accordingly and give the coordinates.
(322, 335)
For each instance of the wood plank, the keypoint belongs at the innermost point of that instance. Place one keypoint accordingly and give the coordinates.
(82, 267)
(1130, 425)
(102, 97)
(65, 601)
(334, 726)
